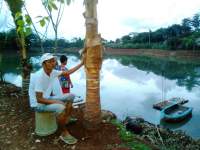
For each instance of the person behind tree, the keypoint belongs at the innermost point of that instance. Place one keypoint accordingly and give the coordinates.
(65, 80)
(40, 88)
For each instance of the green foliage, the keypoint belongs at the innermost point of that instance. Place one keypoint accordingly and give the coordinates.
(174, 37)
(128, 138)
(15, 6)
(43, 20)
(52, 4)
(188, 42)
(23, 24)
(50, 7)
(28, 19)
(196, 22)
(28, 31)
(124, 134)
(8, 40)
(42, 23)
(68, 1)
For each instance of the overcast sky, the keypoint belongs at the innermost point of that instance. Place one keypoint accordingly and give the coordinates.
(116, 17)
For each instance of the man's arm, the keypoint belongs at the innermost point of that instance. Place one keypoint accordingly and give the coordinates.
(40, 99)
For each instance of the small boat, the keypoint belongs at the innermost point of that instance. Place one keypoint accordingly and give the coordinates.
(161, 105)
(175, 112)
(174, 125)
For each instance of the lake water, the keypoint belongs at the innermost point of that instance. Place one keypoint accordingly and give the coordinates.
(131, 85)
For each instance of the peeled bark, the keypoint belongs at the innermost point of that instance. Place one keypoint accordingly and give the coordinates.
(93, 52)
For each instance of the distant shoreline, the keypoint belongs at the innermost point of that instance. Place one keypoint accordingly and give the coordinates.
(154, 52)
(182, 54)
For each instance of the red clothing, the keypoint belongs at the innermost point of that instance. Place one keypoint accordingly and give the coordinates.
(65, 81)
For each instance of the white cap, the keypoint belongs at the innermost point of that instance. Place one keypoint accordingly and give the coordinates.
(45, 57)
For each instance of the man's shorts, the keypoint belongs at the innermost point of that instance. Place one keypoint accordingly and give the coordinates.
(57, 108)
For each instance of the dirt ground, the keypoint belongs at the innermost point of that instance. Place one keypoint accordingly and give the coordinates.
(17, 129)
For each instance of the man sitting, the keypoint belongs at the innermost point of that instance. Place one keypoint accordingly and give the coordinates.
(40, 89)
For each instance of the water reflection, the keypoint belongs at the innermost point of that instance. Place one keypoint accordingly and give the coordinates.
(130, 86)
(13, 78)
(186, 74)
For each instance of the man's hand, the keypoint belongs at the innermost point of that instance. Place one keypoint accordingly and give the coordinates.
(83, 58)
(82, 61)
(40, 99)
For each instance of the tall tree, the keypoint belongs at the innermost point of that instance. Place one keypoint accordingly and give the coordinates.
(196, 22)
(38, 37)
(186, 25)
(93, 52)
(23, 29)
(58, 6)
(15, 7)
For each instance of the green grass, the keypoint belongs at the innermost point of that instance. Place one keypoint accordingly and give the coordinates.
(128, 138)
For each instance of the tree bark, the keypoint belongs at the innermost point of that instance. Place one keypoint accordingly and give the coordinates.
(93, 62)
(16, 6)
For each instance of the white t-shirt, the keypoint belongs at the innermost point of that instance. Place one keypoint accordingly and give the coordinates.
(41, 82)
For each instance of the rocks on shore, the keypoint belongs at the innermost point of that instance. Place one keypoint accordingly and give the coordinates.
(107, 116)
(8, 89)
(160, 137)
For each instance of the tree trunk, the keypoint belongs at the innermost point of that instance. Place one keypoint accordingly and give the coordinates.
(56, 42)
(16, 6)
(26, 68)
(1, 72)
(93, 52)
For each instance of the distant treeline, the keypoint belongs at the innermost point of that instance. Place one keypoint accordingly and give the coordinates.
(184, 36)
(8, 40)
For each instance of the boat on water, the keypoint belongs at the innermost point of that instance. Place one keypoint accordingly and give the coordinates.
(176, 112)
(174, 125)
(161, 105)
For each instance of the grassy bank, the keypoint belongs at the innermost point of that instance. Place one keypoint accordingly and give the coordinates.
(129, 139)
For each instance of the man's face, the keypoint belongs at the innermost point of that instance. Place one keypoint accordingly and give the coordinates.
(50, 64)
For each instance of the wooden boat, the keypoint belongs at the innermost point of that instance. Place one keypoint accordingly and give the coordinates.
(174, 125)
(163, 104)
(175, 112)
